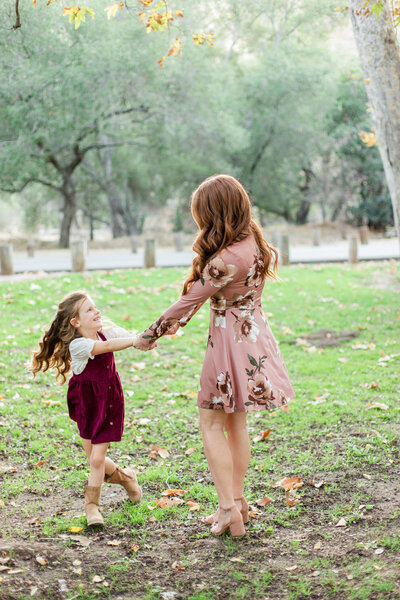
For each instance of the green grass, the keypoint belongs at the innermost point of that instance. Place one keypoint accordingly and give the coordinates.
(333, 433)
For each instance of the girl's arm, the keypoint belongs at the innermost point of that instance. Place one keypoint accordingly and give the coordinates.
(116, 344)
(112, 345)
(216, 275)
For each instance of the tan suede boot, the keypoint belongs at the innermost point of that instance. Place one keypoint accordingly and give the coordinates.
(127, 478)
(92, 500)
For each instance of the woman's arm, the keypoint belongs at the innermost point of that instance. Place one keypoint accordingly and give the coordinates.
(216, 275)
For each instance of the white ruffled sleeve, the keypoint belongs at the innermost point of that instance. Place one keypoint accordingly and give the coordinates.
(80, 350)
(115, 331)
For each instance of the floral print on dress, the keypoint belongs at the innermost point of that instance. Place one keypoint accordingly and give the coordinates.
(213, 403)
(224, 386)
(246, 301)
(255, 276)
(260, 390)
(218, 273)
(219, 311)
(186, 317)
(245, 327)
(258, 386)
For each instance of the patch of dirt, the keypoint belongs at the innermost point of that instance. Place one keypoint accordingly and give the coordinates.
(325, 338)
(179, 557)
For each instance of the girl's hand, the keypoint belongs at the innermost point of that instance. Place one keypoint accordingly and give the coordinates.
(139, 344)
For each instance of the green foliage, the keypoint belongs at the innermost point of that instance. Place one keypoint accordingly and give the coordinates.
(360, 166)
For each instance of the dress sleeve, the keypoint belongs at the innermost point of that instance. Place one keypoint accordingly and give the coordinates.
(215, 276)
(80, 350)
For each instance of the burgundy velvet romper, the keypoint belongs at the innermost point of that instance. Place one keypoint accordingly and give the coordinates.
(96, 400)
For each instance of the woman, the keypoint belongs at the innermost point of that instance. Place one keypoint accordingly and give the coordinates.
(243, 370)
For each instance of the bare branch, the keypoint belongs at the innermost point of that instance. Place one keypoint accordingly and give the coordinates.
(17, 16)
(15, 190)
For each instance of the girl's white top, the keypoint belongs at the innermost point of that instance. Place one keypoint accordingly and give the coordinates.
(81, 348)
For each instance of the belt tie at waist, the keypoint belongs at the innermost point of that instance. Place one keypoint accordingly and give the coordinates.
(221, 304)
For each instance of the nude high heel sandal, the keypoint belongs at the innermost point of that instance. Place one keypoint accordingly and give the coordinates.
(244, 509)
(234, 524)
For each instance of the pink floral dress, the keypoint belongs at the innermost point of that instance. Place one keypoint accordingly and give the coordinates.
(243, 368)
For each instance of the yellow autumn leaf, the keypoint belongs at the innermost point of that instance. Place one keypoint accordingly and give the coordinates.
(112, 10)
(75, 529)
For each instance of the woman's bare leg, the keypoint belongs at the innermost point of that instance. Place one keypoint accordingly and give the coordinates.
(218, 454)
(239, 444)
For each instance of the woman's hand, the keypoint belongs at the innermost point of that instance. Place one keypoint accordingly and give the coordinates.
(172, 330)
(139, 344)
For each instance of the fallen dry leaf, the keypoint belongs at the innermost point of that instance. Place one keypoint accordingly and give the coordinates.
(177, 566)
(318, 545)
(237, 559)
(379, 550)
(114, 543)
(288, 483)
(152, 519)
(158, 451)
(97, 579)
(190, 451)
(376, 405)
(341, 523)
(15, 571)
(193, 505)
(293, 568)
(264, 501)
(263, 435)
(291, 498)
(134, 548)
(81, 539)
(41, 560)
(173, 493)
(168, 502)
(318, 484)
(138, 366)
(75, 529)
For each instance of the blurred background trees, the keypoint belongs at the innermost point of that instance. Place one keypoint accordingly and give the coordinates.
(90, 125)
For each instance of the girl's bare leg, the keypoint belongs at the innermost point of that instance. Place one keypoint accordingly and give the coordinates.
(110, 466)
(97, 460)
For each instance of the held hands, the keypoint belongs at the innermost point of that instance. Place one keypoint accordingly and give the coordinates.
(140, 344)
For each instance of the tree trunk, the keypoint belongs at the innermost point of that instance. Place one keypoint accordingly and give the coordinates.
(380, 59)
(304, 208)
(68, 211)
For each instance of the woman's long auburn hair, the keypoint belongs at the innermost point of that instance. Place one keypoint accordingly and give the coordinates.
(53, 350)
(221, 208)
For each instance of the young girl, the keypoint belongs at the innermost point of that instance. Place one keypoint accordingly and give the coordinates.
(75, 340)
(243, 370)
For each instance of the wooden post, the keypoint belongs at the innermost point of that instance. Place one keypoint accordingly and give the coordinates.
(30, 247)
(363, 233)
(284, 250)
(316, 236)
(178, 236)
(353, 249)
(78, 253)
(6, 259)
(276, 239)
(149, 253)
(134, 243)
